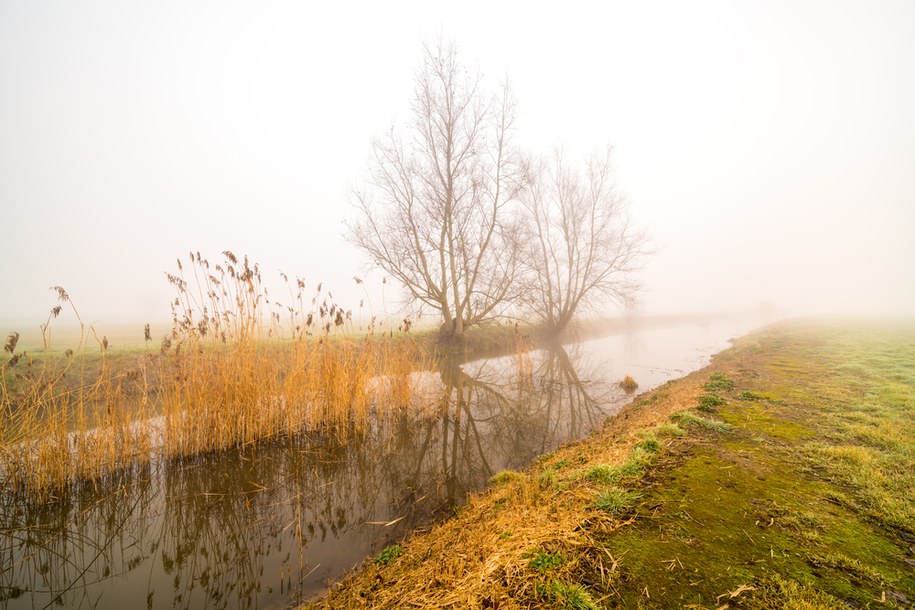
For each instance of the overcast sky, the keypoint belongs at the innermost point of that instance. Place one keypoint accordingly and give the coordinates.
(768, 147)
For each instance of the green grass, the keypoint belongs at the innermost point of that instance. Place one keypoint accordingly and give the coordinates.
(542, 561)
(632, 469)
(708, 402)
(746, 395)
(649, 445)
(506, 476)
(691, 419)
(799, 494)
(615, 500)
(668, 431)
(389, 554)
(569, 595)
(718, 382)
(807, 502)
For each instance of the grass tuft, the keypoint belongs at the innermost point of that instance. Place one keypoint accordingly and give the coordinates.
(747, 395)
(615, 500)
(668, 430)
(691, 419)
(570, 595)
(708, 402)
(505, 477)
(649, 445)
(718, 382)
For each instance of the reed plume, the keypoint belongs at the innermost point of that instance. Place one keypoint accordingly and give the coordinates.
(11, 341)
(230, 372)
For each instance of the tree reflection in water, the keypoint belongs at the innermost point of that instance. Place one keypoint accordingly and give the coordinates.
(271, 525)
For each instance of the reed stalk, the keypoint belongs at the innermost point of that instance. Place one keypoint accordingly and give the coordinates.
(236, 369)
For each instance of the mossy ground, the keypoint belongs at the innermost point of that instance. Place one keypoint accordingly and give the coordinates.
(794, 488)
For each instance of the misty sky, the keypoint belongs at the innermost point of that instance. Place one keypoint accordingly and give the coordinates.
(768, 147)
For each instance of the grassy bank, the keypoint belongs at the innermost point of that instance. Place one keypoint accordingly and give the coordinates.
(781, 476)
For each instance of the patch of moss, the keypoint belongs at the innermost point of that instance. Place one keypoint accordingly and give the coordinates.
(778, 592)
(766, 422)
(751, 517)
(703, 537)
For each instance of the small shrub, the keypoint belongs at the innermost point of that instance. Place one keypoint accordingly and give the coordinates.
(388, 554)
(616, 500)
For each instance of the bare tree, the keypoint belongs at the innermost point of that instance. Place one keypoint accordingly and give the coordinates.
(435, 214)
(581, 247)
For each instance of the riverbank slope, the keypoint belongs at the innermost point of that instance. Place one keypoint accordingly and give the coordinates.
(782, 475)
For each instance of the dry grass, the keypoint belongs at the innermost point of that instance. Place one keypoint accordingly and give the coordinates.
(628, 384)
(236, 368)
(526, 540)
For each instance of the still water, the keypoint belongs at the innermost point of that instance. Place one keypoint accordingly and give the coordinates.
(272, 526)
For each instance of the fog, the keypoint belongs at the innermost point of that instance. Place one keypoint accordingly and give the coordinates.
(768, 148)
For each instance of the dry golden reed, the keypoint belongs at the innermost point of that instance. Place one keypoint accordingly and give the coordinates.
(235, 369)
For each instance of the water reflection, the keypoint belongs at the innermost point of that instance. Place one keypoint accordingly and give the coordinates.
(502, 413)
(271, 525)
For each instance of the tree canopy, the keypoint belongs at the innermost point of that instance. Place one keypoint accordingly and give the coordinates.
(472, 228)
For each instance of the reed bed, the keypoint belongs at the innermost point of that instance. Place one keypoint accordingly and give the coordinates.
(236, 368)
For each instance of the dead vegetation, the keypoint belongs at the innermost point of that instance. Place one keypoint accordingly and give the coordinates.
(235, 369)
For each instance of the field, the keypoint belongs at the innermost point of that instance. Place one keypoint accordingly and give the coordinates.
(782, 476)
